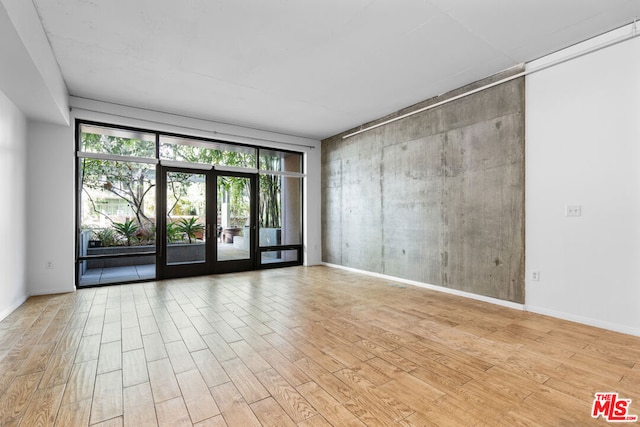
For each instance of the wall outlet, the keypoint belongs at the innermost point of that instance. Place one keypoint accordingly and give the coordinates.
(49, 265)
(573, 210)
(535, 276)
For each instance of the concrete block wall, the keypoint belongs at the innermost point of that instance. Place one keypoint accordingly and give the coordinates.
(437, 197)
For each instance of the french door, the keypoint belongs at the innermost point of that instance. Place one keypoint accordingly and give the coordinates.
(206, 222)
(236, 222)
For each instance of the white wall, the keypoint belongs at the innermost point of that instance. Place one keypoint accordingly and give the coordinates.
(51, 212)
(13, 222)
(29, 74)
(583, 148)
(312, 249)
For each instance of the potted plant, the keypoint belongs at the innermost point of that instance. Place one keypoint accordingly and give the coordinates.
(95, 241)
(174, 234)
(190, 227)
(127, 230)
(104, 237)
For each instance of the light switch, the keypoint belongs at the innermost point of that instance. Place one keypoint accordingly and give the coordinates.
(574, 210)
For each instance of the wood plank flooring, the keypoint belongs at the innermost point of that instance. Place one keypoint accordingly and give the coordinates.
(300, 346)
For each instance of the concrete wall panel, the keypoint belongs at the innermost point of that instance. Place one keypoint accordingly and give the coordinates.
(412, 223)
(437, 197)
(361, 215)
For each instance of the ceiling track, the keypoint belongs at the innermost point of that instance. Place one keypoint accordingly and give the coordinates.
(222, 136)
(632, 35)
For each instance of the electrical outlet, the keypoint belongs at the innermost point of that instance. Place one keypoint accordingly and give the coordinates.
(574, 210)
(535, 275)
(49, 265)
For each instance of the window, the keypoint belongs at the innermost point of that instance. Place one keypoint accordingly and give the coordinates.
(117, 142)
(206, 152)
(280, 161)
(118, 212)
(116, 198)
(280, 207)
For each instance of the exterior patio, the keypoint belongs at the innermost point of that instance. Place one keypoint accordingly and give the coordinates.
(104, 274)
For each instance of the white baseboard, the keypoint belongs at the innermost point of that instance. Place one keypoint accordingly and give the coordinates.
(17, 303)
(51, 291)
(455, 292)
(523, 307)
(615, 327)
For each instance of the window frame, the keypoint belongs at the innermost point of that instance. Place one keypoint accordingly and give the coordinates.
(158, 161)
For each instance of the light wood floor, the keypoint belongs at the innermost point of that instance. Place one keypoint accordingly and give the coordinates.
(300, 346)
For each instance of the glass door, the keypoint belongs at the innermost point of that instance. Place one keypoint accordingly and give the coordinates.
(236, 221)
(185, 222)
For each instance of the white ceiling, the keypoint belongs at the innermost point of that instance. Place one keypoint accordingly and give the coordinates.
(310, 68)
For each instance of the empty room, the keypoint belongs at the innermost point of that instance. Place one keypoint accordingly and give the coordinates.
(343, 213)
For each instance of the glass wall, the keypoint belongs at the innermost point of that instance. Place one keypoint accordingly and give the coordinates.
(280, 207)
(234, 218)
(280, 161)
(117, 210)
(117, 205)
(186, 217)
(206, 152)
